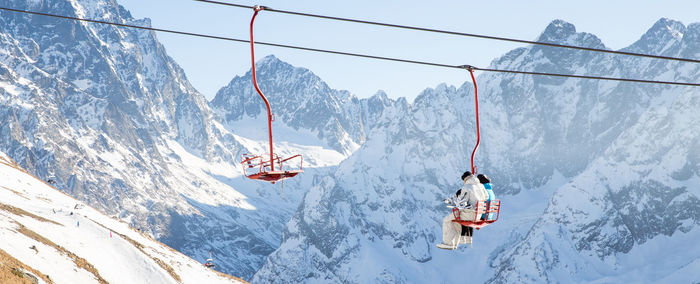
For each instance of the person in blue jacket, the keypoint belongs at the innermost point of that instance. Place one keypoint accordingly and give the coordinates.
(486, 181)
(466, 200)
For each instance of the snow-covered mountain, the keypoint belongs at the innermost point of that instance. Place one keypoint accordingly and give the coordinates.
(597, 178)
(581, 166)
(300, 99)
(105, 113)
(50, 237)
(632, 214)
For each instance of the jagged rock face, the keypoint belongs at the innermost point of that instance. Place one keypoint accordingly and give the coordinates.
(300, 100)
(595, 174)
(73, 85)
(95, 88)
(665, 30)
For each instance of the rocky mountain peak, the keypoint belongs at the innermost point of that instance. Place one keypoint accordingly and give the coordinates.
(299, 98)
(272, 62)
(562, 32)
(671, 27)
(557, 31)
(660, 38)
(281, 83)
(380, 96)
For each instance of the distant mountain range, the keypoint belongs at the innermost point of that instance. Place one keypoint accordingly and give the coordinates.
(581, 165)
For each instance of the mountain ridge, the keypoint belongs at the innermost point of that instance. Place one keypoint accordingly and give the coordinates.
(385, 198)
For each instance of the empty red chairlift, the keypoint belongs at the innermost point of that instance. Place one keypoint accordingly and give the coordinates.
(269, 166)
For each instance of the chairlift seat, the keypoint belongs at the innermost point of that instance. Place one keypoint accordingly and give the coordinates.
(274, 176)
(258, 168)
(483, 208)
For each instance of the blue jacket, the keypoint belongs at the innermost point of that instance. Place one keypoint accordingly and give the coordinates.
(489, 190)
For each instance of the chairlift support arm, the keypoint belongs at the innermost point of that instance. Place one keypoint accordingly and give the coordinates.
(255, 84)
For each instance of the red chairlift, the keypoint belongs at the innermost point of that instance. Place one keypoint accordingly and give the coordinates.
(260, 167)
(483, 214)
(485, 210)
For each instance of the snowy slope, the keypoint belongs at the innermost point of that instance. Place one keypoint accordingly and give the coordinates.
(78, 244)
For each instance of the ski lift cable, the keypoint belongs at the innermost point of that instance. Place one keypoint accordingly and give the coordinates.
(426, 63)
(415, 28)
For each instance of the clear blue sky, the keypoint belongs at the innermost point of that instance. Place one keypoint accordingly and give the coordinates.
(211, 64)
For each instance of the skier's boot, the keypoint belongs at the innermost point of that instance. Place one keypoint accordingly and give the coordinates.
(445, 246)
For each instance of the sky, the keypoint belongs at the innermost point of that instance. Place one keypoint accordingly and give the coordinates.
(210, 64)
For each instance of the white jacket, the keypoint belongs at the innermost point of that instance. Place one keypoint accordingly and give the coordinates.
(470, 194)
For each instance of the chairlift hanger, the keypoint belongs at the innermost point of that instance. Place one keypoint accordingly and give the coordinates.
(262, 167)
(485, 210)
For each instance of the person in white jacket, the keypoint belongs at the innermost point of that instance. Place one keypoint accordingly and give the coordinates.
(465, 200)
